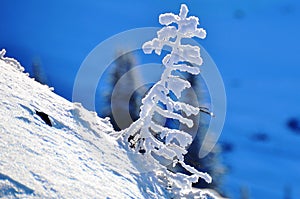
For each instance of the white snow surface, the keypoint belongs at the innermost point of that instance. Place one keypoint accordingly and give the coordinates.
(75, 158)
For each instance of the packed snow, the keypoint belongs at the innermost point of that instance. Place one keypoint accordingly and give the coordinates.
(70, 157)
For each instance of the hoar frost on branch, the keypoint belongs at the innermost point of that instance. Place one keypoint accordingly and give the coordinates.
(11, 61)
(148, 137)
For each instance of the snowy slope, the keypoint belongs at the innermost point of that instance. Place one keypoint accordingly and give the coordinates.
(74, 158)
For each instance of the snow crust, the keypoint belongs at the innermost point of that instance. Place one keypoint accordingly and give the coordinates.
(73, 158)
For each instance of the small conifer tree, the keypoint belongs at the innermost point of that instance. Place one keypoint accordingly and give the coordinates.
(159, 142)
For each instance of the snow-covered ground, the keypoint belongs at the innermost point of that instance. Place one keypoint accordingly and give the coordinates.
(73, 158)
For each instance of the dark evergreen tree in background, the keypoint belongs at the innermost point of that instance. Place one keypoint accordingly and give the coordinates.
(38, 72)
(126, 79)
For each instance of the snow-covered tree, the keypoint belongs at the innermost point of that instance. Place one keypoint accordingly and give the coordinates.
(158, 141)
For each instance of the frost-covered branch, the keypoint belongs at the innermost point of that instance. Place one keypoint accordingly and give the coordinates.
(10, 61)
